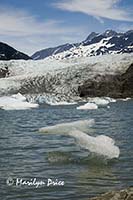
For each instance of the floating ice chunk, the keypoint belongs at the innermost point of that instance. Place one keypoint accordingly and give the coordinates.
(15, 102)
(64, 128)
(102, 145)
(99, 101)
(102, 100)
(126, 99)
(19, 97)
(88, 106)
(111, 100)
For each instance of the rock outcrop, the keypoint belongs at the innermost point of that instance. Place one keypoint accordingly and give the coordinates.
(127, 82)
(126, 194)
(116, 86)
(4, 72)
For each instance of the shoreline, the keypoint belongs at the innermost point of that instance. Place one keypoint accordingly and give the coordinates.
(124, 194)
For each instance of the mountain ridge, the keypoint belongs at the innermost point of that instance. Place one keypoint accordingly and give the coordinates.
(109, 42)
(9, 53)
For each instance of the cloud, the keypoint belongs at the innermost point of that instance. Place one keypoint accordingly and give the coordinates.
(18, 23)
(125, 27)
(28, 33)
(97, 8)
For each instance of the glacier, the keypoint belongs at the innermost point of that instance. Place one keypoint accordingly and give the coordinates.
(58, 79)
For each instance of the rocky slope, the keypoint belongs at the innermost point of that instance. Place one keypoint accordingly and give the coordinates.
(9, 53)
(109, 42)
(125, 194)
(116, 86)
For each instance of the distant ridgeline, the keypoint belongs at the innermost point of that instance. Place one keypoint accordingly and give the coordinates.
(109, 42)
(9, 53)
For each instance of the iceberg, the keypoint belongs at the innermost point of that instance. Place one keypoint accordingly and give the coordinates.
(16, 102)
(88, 106)
(101, 145)
(126, 99)
(99, 101)
(64, 128)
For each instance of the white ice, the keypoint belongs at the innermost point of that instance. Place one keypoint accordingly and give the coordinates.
(99, 101)
(88, 106)
(21, 70)
(15, 102)
(102, 145)
(64, 128)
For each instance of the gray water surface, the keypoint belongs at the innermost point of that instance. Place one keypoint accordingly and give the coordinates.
(26, 153)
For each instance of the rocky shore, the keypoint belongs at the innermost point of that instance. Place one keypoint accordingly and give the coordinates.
(125, 194)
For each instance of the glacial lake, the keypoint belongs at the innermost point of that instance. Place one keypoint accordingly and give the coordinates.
(26, 154)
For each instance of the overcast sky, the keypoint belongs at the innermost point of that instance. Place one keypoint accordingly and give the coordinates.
(31, 25)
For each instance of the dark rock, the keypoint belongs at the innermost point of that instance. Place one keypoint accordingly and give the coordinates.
(126, 194)
(110, 33)
(89, 38)
(4, 72)
(9, 53)
(116, 86)
(127, 82)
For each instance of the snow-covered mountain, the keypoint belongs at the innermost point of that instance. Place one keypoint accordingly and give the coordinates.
(9, 53)
(109, 42)
(52, 51)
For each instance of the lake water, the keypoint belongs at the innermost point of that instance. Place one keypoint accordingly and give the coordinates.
(27, 154)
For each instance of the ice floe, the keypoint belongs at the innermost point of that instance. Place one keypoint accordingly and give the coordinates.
(102, 145)
(64, 128)
(16, 102)
(88, 106)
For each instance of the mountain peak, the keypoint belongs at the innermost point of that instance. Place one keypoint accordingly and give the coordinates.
(129, 32)
(109, 33)
(91, 36)
(109, 42)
